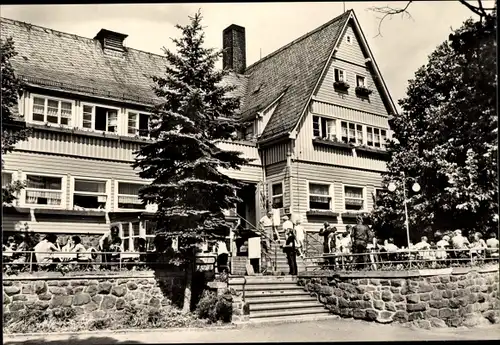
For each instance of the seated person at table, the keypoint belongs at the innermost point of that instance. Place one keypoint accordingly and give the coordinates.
(82, 254)
(492, 244)
(20, 255)
(423, 247)
(478, 246)
(44, 250)
(460, 243)
(441, 247)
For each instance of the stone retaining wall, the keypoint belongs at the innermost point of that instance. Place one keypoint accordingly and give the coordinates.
(93, 296)
(427, 298)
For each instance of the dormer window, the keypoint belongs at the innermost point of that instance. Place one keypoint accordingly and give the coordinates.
(52, 111)
(340, 75)
(138, 124)
(100, 118)
(348, 39)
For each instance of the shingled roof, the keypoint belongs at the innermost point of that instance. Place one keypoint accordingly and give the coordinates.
(60, 60)
(293, 69)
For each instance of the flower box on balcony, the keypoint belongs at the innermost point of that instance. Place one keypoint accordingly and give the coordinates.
(341, 85)
(321, 213)
(363, 91)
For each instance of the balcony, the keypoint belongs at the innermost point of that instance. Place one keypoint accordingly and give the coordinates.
(249, 149)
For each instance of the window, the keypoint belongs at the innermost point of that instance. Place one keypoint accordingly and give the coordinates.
(348, 39)
(360, 81)
(319, 196)
(378, 193)
(340, 75)
(52, 111)
(100, 118)
(351, 133)
(149, 227)
(130, 233)
(43, 190)
(324, 128)
(90, 194)
(128, 195)
(6, 178)
(376, 137)
(277, 195)
(138, 124)
(354, 198)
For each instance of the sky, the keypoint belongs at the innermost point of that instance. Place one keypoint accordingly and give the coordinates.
(403, 47)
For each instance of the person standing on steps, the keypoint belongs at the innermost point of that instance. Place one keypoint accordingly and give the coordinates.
(290, 251)
(287, 225)
(325, 231)
(267, 228)
(300, 235)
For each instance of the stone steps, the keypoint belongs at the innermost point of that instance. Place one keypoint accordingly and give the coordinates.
(276, 298)
(293, 318)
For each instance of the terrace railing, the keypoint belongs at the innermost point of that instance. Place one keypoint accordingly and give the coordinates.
(25, 261)
(401, 260)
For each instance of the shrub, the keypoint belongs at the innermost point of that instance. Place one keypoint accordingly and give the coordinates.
(215, 308)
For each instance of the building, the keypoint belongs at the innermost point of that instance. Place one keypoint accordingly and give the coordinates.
(318, 109)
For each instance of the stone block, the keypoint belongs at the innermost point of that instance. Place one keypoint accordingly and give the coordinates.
(375, 282)
(441, 286)
(108, 302)
(433, 312)
(438, 323)
(119, 291)
(57, 291)
(16, 306)
(400, 316)
(416, 316)
(98, 314)
(386, 296)
(377, 304)
(370, 288)
(52, 283)
(398, 298)
(385, 282)
(371, 315)
(61, 301)
(20, 298)
(120, 304)
(459, 293)
(384, 317)
(331, 300)
(424, 287)
(454, 278)
(6, 299)
(78, 289)
(11, 290)
(358, 314)
(27, 289)
(454, 322)
(437, 295)
(444, 279)
(424, 297)
(91, 290)
(45, 297)
(104, 288)
(343, 303)
(445, 313)
(390, 306)
(97, 299)
(481, 297)
(366, 297)
(395, 289)
(424, 324)
(451, 286)
(63, 283)
(413, 298)
(41, 305)
(447, 294)
(493, 316)
(376, 295)
(346, 312)
(131, 286)
(454, 303)
(40, 287)
(397, 282)
(415, 307)
(434, 279)
(81, 299)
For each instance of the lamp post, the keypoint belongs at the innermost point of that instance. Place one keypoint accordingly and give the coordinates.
(416, 189)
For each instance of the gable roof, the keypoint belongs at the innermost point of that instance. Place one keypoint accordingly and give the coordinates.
(294, 68)
(60, 60)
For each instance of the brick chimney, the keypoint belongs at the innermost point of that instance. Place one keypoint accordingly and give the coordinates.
(233, 43)
(111, 42)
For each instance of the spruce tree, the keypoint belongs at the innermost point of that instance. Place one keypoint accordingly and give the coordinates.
(447, 140)
(13, 130)
(183, 160)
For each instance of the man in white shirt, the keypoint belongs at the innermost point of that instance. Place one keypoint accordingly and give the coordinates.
(300, 236)
(287, 224)
(492, 244)
(267, 227)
